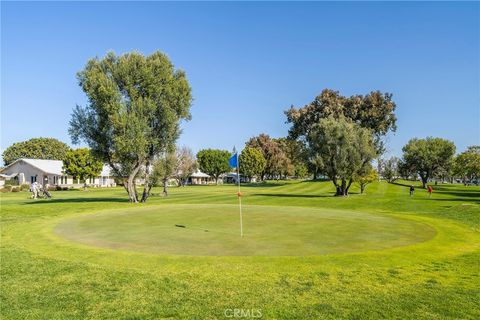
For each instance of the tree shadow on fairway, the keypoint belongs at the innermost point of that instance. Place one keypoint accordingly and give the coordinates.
(75, 200)
(267, 184)
(293, 195)
(406, 185)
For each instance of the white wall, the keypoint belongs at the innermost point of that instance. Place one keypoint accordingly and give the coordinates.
(26, 169)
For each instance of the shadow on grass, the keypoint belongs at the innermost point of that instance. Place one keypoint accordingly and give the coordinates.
(467, 200)
(414, 183)
(292, 195)
(76, 200)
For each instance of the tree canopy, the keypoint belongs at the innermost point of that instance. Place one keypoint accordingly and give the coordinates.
(252, 162)
(135, 105)
(81, 164)
(370, 175)
(36, 148)
(213, 162)
(164, 168)
(186, 165)
(427, 156)
(374, 111)
(342, 149)
(275, 157)
(389, 169)
(467, 164)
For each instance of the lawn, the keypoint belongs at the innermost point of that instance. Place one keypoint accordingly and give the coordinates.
(305, 254)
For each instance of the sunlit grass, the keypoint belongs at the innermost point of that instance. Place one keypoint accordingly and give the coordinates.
(45, 276)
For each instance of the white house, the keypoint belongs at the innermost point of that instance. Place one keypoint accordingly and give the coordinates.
(199, 177)
(27, 171)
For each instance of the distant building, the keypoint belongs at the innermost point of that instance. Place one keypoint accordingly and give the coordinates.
(199, 177)
(233, 178)
(28, 171)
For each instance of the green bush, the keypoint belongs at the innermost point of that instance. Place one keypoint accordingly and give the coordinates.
(16, 189)
(25, 187)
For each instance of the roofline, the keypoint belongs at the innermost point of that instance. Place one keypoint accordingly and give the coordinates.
(23, 159)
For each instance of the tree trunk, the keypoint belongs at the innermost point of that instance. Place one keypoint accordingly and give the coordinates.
(342, 189)
(146, 191)
(348, 186)
(424, 180)
(165, 190)
(362, 188)
(131, 188)
(147, 186)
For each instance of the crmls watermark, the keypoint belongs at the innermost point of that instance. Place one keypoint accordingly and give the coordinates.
(243, 313)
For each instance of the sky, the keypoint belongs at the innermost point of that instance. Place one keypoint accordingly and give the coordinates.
(248, 62)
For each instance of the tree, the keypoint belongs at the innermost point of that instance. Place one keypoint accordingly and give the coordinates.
(252, 163)
(366, 178)
(186, 165)
(301, 171)
(272, 152)
(135, 107)
(467, 164)
(214, 162)
(427, 156)
(342, 149)
(389, 169)
(81, 164)
(36, 148)
(164, 168)
(375, 111)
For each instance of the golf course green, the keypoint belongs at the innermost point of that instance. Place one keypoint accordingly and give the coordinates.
(305, 254)
(269, 230)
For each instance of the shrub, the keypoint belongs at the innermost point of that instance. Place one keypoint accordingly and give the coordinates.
(16, 189)
(6, 188)
(25, 187)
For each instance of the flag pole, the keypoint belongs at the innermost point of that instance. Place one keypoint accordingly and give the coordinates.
(239, 195)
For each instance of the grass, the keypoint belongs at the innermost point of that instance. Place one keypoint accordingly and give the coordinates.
(379, 255)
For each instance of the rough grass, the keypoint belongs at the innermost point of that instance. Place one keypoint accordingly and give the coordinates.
(45, 276)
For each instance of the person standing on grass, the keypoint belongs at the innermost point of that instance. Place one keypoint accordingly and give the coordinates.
(34, 190)
(412, 190)
(430, 190)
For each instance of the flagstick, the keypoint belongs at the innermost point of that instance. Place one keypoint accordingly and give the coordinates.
(239, 197)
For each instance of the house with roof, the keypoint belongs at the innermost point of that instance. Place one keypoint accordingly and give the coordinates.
(28, 171)
(199, 177)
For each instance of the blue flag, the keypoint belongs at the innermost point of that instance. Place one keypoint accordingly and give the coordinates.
(233, 161)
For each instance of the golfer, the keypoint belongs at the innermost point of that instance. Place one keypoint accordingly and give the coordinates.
(430, 191)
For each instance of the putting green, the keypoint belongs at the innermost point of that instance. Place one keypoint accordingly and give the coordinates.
(213, 230)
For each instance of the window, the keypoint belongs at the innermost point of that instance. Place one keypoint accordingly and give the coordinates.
(33, 179)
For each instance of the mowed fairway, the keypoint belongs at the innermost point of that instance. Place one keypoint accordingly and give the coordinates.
(305, 254)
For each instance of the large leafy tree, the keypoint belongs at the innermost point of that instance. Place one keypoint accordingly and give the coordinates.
(375, 111)
(36, 148)
(427, 157)
(81, 164)
(467, 164)
(276, 159)
(252, 162)
(213, 162)
(136, 103)
(295, 157)
(344, 150)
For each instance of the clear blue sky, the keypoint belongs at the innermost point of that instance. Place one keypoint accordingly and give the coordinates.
(248, 62)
